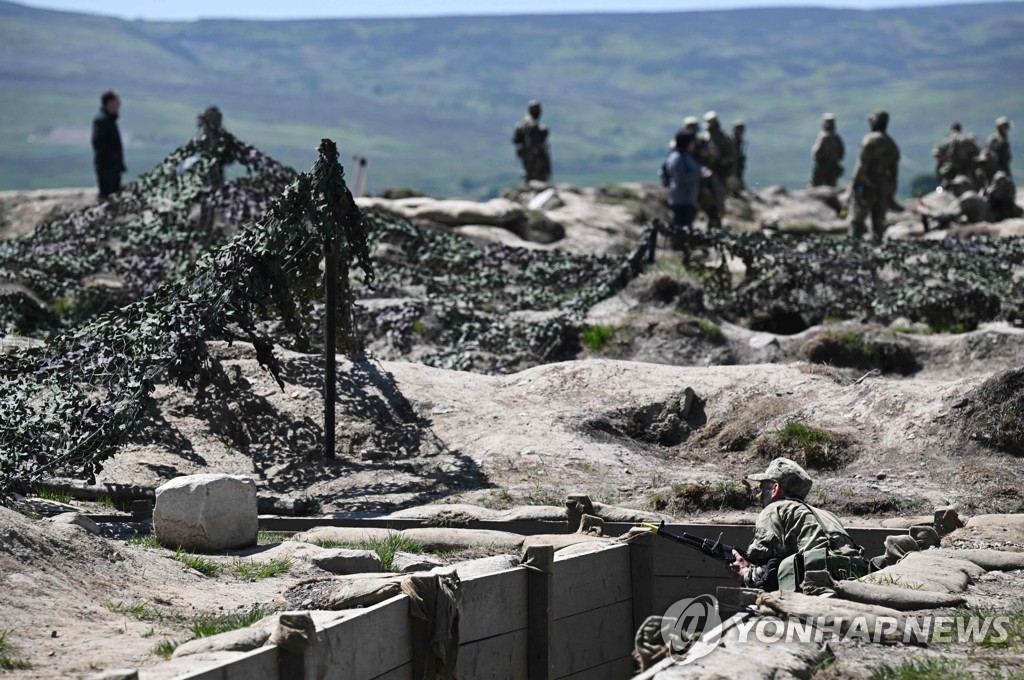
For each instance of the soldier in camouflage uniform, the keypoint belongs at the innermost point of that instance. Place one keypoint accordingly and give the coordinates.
(787, 525)
(955, 155)
(739, 129)
(531, 141)
(999, 145)
(716, 152)
(828, 154)
(874, 179)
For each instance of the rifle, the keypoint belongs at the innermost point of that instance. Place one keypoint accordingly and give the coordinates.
(716, 549)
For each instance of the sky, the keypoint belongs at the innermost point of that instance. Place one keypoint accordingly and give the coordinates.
(186, 10)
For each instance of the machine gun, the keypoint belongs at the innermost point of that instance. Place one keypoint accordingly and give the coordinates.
(716, 549)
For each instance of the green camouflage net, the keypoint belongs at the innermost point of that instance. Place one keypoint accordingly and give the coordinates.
(445, 301)
(950, 284)
(73, 267)
(68, 406)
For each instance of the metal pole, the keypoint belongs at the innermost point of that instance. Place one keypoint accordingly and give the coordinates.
(330, 342)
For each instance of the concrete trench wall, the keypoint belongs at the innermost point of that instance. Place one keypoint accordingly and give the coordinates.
(573, 620)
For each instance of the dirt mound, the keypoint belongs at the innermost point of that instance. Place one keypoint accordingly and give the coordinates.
(686, 499)
(665, 423)
(995, 414)
(850, 349)
(814, 448)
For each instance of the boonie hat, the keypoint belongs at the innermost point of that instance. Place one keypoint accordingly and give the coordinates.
(786, 472)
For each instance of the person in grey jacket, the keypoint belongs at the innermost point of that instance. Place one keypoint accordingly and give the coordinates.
(681, 174)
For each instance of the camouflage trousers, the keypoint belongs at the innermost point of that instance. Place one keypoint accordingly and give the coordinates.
(537, 166)
(874, 207)
(711, 199)
(826, 174)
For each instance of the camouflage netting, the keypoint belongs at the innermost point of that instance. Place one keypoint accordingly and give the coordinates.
(67, 406)
(70, 269)
(182, 271)
(952, 284)
(445, 301)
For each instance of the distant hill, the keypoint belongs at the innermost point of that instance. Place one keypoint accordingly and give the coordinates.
(432, 102)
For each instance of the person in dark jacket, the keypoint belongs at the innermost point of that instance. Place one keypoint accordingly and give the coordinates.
(681, 174)
(108, 154)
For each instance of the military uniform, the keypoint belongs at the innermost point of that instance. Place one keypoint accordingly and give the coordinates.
(999, 146)
(716, 152)
(789, 526)
(875, 179)
(530, 139)
(740, 144)
(1002, 194)
(828, 153)
(955, 156)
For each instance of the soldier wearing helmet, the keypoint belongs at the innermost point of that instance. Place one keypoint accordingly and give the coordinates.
(530, 139)
(999, 145)
(828, 152)
(874, 179)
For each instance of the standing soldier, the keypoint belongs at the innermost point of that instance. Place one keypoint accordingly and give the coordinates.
(739, 128)
(828, 153)
(531, 141)
(108, 154)
(999, 145)
(719, 156)
(874, 178)
(955, 155)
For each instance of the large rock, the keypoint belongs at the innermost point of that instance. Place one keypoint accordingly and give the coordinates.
(241, 640)
(206, 512)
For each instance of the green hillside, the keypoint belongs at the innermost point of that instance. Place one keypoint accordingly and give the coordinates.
(432, 101)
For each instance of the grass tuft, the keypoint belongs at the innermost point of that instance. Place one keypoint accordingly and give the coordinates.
(701, 496)
(205, 625)
(198, 562)
(138, 610)
(265, 537)
(596, 338)
(385, 547)
(252, 570)
(7, 662)
(48, 494)
(710, 329)
(811, 447)
(146, 541)
(166, 647)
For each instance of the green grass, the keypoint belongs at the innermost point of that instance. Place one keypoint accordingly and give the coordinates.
(891, 580)
(121, 505)
(596, 338)
(385, 548)
(253, 570)
(198, 562)
(138, 610)
(205, 625)
(166, 647)
(710, 328)
(809, 446)
(146, 541)
(54, 495)
(936, 668)
(7, 648)
(265, 537)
